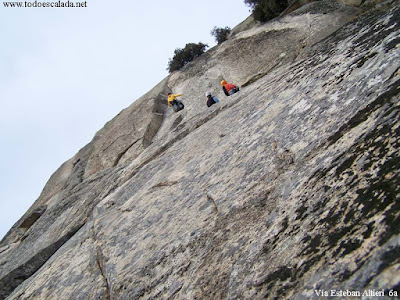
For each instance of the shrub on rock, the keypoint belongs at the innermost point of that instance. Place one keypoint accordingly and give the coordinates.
(185, 55)
(264, 10)
(220, 34)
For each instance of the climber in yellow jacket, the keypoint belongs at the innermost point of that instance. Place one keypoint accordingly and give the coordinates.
(172, 97)
(176, 104)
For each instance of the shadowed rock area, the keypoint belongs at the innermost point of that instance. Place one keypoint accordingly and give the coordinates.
(285, 190)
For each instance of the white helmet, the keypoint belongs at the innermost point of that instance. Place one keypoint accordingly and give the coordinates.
(208, 94)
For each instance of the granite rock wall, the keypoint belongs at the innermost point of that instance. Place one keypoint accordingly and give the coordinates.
(285, 190)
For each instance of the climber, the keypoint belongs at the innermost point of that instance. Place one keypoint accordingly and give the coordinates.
(229, 88)
(210, 99)
(176, 104)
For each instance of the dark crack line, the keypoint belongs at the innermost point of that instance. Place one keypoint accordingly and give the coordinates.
(212, 201)
(103, 271)
(117, 139)
(17, 276)
(101, 263)
(118, 158)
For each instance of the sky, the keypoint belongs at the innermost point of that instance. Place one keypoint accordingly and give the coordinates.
(65, 72)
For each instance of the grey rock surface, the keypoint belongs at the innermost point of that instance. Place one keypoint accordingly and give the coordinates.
(285, 190)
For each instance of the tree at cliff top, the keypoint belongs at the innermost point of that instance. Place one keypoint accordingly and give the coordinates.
(185, 55)
(264, 10)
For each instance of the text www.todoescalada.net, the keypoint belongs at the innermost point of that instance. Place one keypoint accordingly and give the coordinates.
(45, 4)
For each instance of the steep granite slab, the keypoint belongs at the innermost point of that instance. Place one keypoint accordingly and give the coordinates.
(289, 188)
(249, 55)
(76, 187)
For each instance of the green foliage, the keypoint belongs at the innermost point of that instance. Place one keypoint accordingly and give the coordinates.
(185, 55)
(264, 10)
(220, 34)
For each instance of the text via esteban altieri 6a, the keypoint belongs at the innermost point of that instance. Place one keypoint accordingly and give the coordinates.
(356, 293)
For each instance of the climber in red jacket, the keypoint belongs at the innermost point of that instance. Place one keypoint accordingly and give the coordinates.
(229, 88)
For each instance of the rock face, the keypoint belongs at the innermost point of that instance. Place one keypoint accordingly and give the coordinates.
(286, 190)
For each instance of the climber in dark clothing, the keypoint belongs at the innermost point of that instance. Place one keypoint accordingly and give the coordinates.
(229, 88)
(211, 100)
